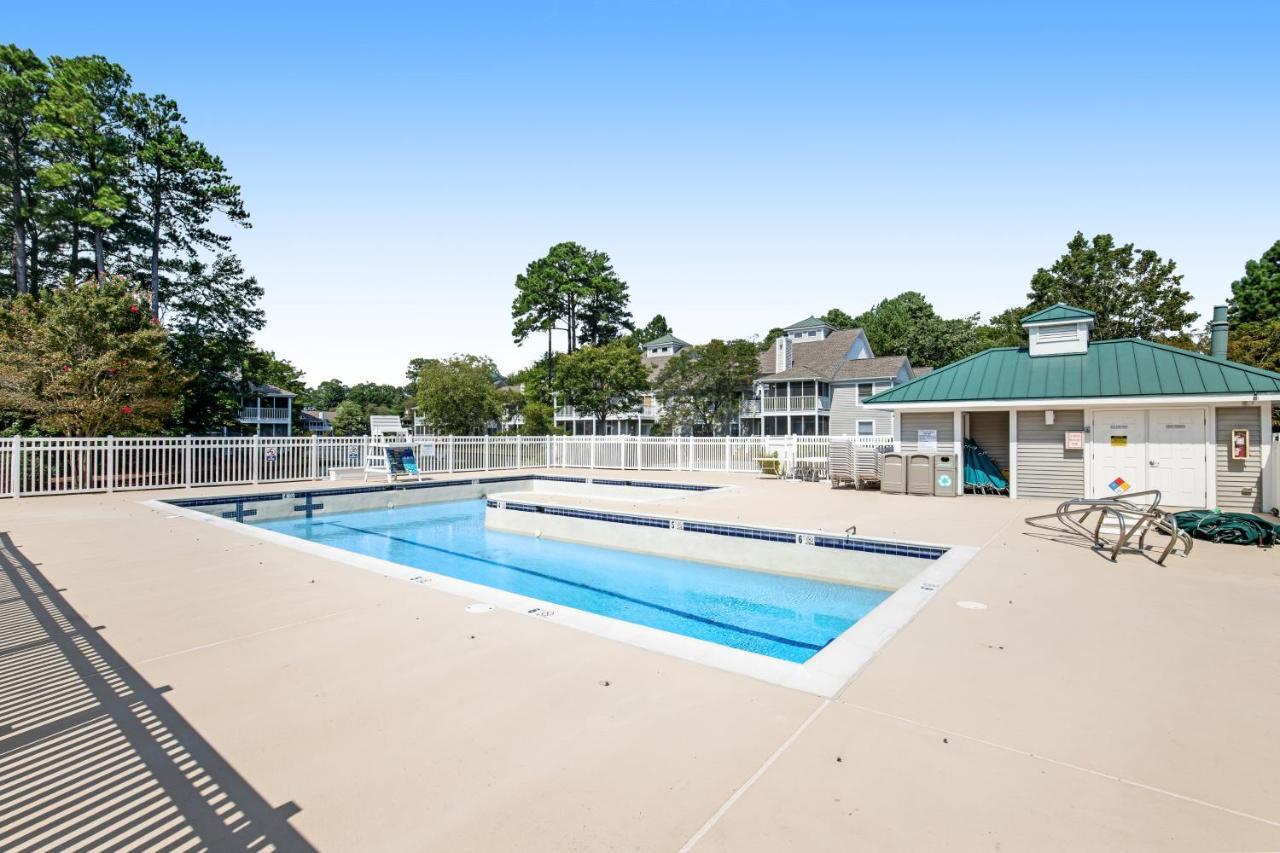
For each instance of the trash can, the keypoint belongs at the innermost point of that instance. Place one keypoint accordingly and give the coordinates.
(920, 474)
(893, 474)
(944, 475)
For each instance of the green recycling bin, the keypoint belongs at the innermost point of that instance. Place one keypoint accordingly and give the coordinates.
(945, 475)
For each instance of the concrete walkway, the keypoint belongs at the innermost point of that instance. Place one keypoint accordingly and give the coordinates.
(1090, 706)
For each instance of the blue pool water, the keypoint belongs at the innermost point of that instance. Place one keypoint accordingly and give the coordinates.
(783, 617)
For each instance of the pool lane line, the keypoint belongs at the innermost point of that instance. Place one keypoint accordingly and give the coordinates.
(661, 607)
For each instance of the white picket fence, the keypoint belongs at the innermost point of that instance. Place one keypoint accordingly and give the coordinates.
(60, 466)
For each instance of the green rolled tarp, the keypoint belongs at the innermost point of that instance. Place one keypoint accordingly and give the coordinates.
(1236, 528)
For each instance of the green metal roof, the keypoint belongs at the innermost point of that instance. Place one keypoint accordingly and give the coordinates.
(665, 339)
(808, 323)
(1119, 368)
(1059, 311)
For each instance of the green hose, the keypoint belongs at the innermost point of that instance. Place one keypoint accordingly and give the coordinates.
(1236, 528)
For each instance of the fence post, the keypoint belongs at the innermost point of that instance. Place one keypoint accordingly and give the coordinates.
(254, 460)
(485, 466)
(450, 443)
(15, 467)
(591, 452)
(727, 454)
(519, 451)
(639, 453)
(315, 457)
(188, 467)
(550, 443)
(111, 464)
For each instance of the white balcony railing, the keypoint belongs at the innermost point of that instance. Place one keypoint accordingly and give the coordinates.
(254, 415)
(804, 403)
(570, 413)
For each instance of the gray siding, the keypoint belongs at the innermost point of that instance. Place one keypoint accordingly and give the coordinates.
(846, 412)
(1045, 469)
(990, 430)
(1239, 482)
(941, 421)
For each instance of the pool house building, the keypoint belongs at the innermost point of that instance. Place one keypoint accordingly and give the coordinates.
(1066, 416)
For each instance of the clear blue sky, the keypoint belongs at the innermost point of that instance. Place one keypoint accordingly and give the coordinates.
(745, 164)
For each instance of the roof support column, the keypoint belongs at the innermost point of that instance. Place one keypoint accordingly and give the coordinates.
(957, 426)
(1264, 455)
(1013, 454)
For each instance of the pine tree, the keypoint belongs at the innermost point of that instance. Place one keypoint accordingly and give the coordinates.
(1255, 297)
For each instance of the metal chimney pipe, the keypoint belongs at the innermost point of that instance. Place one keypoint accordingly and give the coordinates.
(1218, 333)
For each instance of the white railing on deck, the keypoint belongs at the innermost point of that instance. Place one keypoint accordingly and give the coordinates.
(53, 466)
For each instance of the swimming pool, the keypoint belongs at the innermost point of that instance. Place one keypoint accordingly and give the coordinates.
(784, 617)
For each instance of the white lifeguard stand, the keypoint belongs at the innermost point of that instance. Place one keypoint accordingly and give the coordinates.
(384, 431)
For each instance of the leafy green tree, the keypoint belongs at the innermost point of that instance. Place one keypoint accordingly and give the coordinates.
(907, 324)
(24, 81)
(603, 380)
(1255, 296)
(179, 186)
(1134, 293)
(539, 419)
(654, 329)
(571, 289)
(534, 379)
(328, 395)
(1003, 330)
(211, 311)
(457, 395)
(350, 419)
(86, 360)
(377, 398)
(83, 117)
(772, 335)
(701, 387)
(838, 319)
(1256, 343)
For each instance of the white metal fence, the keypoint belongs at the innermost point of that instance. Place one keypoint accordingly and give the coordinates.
(54, 466)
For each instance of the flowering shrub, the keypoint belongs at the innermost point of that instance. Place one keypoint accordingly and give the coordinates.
(85, 360)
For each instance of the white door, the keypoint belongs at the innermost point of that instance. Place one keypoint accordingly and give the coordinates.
(1176, 456)
(1119, 439)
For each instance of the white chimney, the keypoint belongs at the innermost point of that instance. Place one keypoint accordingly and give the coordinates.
(781, 353)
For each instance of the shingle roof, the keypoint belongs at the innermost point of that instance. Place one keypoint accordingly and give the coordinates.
(812, 359)
(807, 323)
(1120, 368)
(882, 367)
(1058, 311)
(655, 363)
(920, 371)
(265, 389)
(666, 339)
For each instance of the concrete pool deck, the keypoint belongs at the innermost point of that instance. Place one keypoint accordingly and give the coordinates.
(1091, 706)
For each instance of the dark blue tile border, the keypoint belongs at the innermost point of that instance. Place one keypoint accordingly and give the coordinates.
(429, 484)
(892, 549)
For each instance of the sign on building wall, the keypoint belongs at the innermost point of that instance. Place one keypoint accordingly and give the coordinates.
(1073, 440)
(927, 440)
